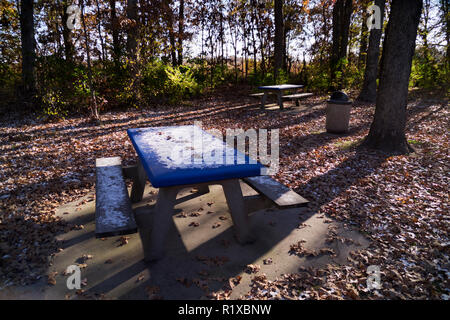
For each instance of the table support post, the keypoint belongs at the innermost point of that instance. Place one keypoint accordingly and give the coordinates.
(280, 99)
(154, 242)
(203, 189)
(153, 228)
(239, 215)
(263, 100)
(137, 190)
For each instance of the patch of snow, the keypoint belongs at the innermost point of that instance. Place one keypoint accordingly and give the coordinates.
(186, 147)
(112, 197)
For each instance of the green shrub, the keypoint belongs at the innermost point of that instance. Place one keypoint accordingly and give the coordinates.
(54, 86)
(53, 105)
(180, 84)
(260, 79)
(429, 70)
(171, 83)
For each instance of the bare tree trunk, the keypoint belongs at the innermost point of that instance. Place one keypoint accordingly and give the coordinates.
(245, 58)
(424, 33)
(387, 131)
(279, 35)
(69, 48)
(99, 28)
(94, 108)
(233, 27)
(132, 29)
(115, 33)
(221, 35)
(445, 5)
(203, 28)
(369, 88)
(173, 54)
(342, 12)
(28, 49)
(260, 29)
(304, 72)
(170, 22)
(363, 43)
(286, 40)
(180, 32)
(254, 41)
(235, 64)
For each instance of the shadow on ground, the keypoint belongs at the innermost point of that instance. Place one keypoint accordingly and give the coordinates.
(198, 259)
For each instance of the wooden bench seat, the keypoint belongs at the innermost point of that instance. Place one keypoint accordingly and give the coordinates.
(297, 96)
(281, 195)
(113, 213)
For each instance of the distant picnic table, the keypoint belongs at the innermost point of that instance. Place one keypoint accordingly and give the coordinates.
(278, 90)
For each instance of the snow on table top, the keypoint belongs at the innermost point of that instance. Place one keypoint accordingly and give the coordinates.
(189, 152)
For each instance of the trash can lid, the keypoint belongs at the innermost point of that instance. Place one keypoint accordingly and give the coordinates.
(339, 97)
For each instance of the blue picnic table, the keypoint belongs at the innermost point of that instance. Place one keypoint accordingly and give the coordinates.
(176, 157)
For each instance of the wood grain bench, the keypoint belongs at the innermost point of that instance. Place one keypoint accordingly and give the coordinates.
(297, 96)
(113, 213)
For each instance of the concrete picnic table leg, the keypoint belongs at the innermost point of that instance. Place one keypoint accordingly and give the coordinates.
(203, 189)
(235, 201)
(137, 190)
(153, 242)
(280, 99)
(296, 100)
(263, 100)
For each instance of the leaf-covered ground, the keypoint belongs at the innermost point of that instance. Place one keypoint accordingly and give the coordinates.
(401, 203)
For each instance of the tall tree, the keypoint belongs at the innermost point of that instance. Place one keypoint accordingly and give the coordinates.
(445, 6)
(233, 26)
(132, 15)
(342, 12)
(99, 28)
(279, 38)
(69, 48)
(364, 31)
(115, 33)
(180, 32)
(387, 131)
(94, 107)
(28, 48)
(369, 89)
(168, 11)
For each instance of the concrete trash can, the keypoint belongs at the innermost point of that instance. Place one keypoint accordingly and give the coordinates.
(338, 113)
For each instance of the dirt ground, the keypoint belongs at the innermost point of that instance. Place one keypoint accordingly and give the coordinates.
(366, 208)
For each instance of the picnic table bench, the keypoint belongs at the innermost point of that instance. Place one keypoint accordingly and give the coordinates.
(167, 158)
(297, 96)
(278, 91)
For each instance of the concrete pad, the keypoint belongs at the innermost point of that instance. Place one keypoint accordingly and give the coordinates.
(198, 259)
